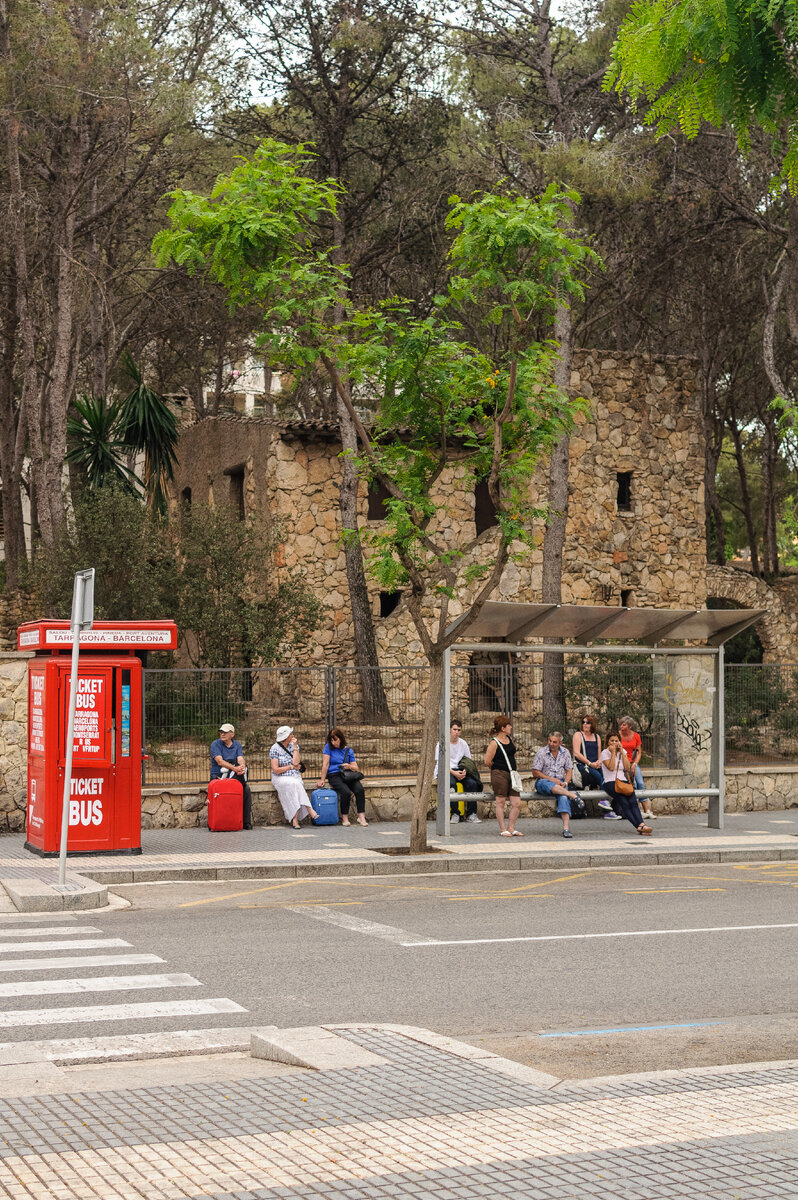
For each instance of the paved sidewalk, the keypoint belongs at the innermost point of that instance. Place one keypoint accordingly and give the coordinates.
(423, 1124)
(280, 852)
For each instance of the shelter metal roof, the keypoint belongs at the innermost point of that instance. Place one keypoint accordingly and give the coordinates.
(585, 623)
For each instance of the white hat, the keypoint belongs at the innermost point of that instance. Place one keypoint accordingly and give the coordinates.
(227, 728)
(282, 733)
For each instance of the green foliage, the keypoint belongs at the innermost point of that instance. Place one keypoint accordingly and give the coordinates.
(518, 252)
(241, 611)
(255, 235)
(212, 573)
(486, 404)
(97, 446)
(130, 550)
(728, 63)
(146, 422)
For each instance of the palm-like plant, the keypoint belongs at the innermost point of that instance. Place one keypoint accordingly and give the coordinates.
(147, 423)
(97, 446)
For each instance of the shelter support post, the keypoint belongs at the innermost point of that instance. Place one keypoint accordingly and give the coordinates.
(442, 823)
(715, 805)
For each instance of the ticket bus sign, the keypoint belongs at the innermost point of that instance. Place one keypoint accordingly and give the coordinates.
(104, 794)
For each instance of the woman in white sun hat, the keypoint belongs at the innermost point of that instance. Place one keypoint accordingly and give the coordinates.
(287, 778)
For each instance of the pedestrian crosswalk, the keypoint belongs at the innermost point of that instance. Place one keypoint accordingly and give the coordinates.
(33, 961)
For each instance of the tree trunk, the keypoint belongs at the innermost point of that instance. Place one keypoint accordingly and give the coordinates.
(745, 495)
(426, 761)
(10, 455)
(375, 702)
(713, 442)
(769, 458)
(554, 537)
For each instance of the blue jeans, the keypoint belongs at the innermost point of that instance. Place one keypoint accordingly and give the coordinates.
(640, 782)
(544, 787)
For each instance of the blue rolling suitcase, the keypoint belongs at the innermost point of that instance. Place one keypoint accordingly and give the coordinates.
(325, 802)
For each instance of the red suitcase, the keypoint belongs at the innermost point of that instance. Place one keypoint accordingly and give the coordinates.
(225, 805)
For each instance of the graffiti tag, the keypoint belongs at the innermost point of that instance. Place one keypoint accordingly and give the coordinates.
(677, 692)
(690, 727)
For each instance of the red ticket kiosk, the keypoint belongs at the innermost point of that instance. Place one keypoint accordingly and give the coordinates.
(105, 801)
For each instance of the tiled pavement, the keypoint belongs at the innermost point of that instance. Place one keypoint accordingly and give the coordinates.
(426, 1126)
(197, 853)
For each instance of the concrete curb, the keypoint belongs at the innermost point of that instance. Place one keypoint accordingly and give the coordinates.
(439, 864)
(130, 1047)
(316, 1047)
(35, 895)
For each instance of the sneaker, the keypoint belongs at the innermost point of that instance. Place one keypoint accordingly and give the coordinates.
(651, 816)
(612, 816)
(567, 833)
(474, 819)
(605, 804)
(455, 819)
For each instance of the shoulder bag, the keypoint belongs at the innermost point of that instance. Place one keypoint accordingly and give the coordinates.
(576, 769)
(515, 776)
(622, 786)
(350, 777)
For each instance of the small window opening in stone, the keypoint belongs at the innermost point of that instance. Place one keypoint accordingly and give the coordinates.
(236, 476)
(388, 602)
(626, 597)
(185, 496)
(624, 491)
(378, 495)
(484, 508)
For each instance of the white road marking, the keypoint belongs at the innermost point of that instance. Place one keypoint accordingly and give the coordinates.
(79, 960)
(116, 1012)
(64, 930)
(387, 933)
(78, 944)
(572, 937)
(102, 983)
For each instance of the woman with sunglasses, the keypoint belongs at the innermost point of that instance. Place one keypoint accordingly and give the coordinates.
(587, 754)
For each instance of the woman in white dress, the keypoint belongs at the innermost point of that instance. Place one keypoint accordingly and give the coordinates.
(287, 778)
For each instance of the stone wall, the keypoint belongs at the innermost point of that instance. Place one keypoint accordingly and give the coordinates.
(778, 628)
(644, 421)
(747, 790)
(13, 747)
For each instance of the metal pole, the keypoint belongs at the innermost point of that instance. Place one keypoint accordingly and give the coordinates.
(442, 822)
(77, 606)
(716, 805)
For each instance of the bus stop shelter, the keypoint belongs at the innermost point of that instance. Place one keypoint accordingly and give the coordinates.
(687, 683)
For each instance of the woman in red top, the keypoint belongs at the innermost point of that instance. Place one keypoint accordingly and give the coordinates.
(633, 747)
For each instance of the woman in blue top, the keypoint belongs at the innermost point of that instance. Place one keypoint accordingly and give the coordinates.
(337, 757)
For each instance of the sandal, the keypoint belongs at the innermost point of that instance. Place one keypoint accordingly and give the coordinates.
(363, 822)
(505, 833)
(644, 830)
(517, 833)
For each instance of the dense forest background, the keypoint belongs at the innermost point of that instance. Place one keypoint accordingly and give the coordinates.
(108, 108)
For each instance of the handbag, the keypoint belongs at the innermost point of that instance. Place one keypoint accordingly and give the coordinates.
(622, 786)
(350, 777)
(516, 783)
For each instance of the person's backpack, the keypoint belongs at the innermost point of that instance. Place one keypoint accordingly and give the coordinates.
(578, 809)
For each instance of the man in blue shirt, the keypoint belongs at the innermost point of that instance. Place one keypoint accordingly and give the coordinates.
(227, 762)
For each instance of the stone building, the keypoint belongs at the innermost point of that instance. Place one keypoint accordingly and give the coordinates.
(635, 532)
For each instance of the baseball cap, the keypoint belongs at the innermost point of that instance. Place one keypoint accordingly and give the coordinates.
(227, 728)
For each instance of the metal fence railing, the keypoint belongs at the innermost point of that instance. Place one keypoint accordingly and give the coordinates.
(761, 714)
(381, 711)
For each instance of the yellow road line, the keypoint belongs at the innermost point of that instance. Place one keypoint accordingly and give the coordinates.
(503, 896)
(272, 887)
(666, 891)
(309, 903)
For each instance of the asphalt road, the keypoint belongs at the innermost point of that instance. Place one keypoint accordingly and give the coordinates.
(599, 972)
